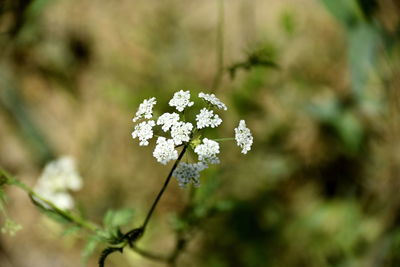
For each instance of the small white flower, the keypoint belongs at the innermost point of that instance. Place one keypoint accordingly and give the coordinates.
(57, 178)
(207, 118)
(187, 173)
(167, 120)
(10, 227)
(243, 137)
(181, 100)
(207, 151)
(63, 200)
(145, 109)
(165, 150)
(213, 100)
(143, 131)
(180, 132)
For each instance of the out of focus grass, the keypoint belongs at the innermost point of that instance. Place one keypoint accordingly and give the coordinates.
(319, 188)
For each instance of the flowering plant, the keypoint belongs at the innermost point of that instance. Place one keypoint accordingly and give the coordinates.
(174, 131)
(179, 132)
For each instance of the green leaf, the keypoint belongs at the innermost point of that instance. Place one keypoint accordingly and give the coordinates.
(224, 205)
(3, 197)
(287, 21)
(345, 11)
(178, 223)
(363, 44)
(90, 248)
(350, 131)
(117, 218)
(71, 230)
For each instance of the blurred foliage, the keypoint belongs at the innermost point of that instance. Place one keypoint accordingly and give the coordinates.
(320, 91)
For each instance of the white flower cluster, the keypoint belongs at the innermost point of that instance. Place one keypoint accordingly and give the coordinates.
(187, 173)
(181, 100)
(207, 118)
(183, 133)
(243, 137)
(145, 109)
(167, 120)
(208, 151)
(180, 132)
(213, 100)
(143, 131)
(165, 150)
(58, 177)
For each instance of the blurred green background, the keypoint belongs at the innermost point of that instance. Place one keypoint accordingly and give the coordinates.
(316, 80)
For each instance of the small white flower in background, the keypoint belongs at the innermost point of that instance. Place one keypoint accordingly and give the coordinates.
(187, 173)
(165, 150)
(143, 131)
(213, 100)
(181, 100)
(243, 137)
(167, 120)
(180, 132)
(207, 118)
(57, 178)
(208, 151)
(145, 110)
(10, 227)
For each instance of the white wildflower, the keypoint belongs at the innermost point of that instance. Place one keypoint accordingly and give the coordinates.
(143, 131)
(243, 137)
(181, 100)
(145, 109)
(167, 120)
(187, 173)
(207, 118)
(213, 100)
(180, 132)
(57, 178)
(207, 151)
(165, 150)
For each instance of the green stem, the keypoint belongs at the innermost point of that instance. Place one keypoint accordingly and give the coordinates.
(224, 139)
(149, 255)
(75, 219)
(220, 47)
(134, 234)
(150, 213)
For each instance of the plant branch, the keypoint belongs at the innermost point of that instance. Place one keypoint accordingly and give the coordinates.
(220, 47)
(130, 237)
(149, 255)
(150, 213)
(8, 179)
(224, 139)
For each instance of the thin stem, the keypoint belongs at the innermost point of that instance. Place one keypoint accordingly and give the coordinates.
(224, 139)
(149, 255)
(220, 47)
(135, 234)
(150, 213)
(77, 220)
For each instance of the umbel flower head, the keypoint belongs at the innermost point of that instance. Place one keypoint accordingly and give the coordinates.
(188, 134)
(57, 179)
(243, 137)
